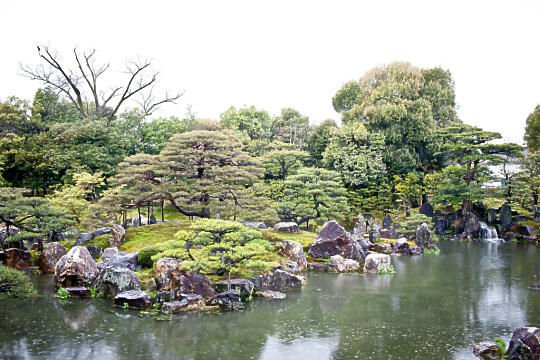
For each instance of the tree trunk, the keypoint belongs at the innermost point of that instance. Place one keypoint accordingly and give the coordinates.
(139, 212)
(162, 215)
(228, 280)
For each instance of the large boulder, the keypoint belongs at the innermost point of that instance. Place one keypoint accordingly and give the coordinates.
(294, 251)
(102, 231)
(290, 227)
(374, 235)
(279, 281)
(487, 350)
(375, 263)
(426, 209)
(383, 248)
(388, 234)
(526, 230)
(83, 238)
(338, 264)
(506, 216)
(244, 287)
(423, 237)
(228, 300)
(135, 299)
(274, 295)
(334, 240)
(187, 302)
(525, 344)
(113, 280)
(76, 268)
(118, 236)
(18, 259)
(50, 256)
(170, 278)
(114, 258)
(79, 292)
(135, 221)
(360, 227)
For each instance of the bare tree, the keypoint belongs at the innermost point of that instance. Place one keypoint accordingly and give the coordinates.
(80, 84)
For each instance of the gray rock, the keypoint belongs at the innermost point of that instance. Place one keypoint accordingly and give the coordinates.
(50, 256)
(317, 266)
(383, 248)
(426, 209)
(83, 238)
(370, 219)
(76, 268)
(135, 221)
(360, 227)
(102, 231)
(294, 251)
(120, 259)
(254, 224)
(279, 281)
(135, 299)
(71, 234)
(506, 216)
(274, 295)
(423, 237)
(228, 300)
(169, 277)
(188, 302)
(338, 264)
(334, 240)
(94, 250)
(375, 263)
(79, 292)
(290, 227)
(374, 236)
(292, 267)
(487, 350)
(118, 236)
(388, 234)
(525, 344)
(113, 280)
(243, 286)
(4, 234)
(387, 221)
(526, 230)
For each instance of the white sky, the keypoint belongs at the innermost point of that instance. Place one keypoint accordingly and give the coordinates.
(275, 54)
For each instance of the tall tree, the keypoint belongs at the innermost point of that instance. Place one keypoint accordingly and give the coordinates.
(255, 123)
(319, 140)
(406, 105)
(291, 127)
(532, 130)
(471, 147)
(81, 83)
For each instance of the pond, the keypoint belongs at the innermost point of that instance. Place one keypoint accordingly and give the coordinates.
(434, 307)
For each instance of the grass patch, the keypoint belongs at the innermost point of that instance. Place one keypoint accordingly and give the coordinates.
(305, 238)
(15, 284)
(142, 236)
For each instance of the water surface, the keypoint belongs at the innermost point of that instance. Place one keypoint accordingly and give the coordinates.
(434, 307)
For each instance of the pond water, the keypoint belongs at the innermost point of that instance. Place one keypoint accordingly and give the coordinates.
(434, 307)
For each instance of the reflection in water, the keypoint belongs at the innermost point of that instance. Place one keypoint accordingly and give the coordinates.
(435, 307)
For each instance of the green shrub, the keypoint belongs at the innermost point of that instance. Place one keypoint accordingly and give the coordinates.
(176, 253)
(146, 254)
(62, 293)
(15, 284)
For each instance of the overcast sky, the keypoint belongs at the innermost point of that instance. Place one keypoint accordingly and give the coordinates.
(275, 54)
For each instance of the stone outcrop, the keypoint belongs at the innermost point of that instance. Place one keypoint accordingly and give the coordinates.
(280, 281)
(382, 248)
(76, 268)
(426, 209)
(135, 299)
(334, 240)
(254, 224)
(50, 256)
(338, 264)
(375, 263)
(290, 227)
(294, 251)
(117, 236)
(228, 300)
(387, 221)
(317, 266)
(360, 227)
(244, 287)
(17, 259)
(487, 350)
(505, 216)
(113, 280)
(170, 279)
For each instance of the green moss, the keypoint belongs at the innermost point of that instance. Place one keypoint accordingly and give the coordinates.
(15, 284)
(68, 244)
(303, 237)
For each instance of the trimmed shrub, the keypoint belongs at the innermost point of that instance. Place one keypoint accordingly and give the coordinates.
(15, 284)
(146, 254)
